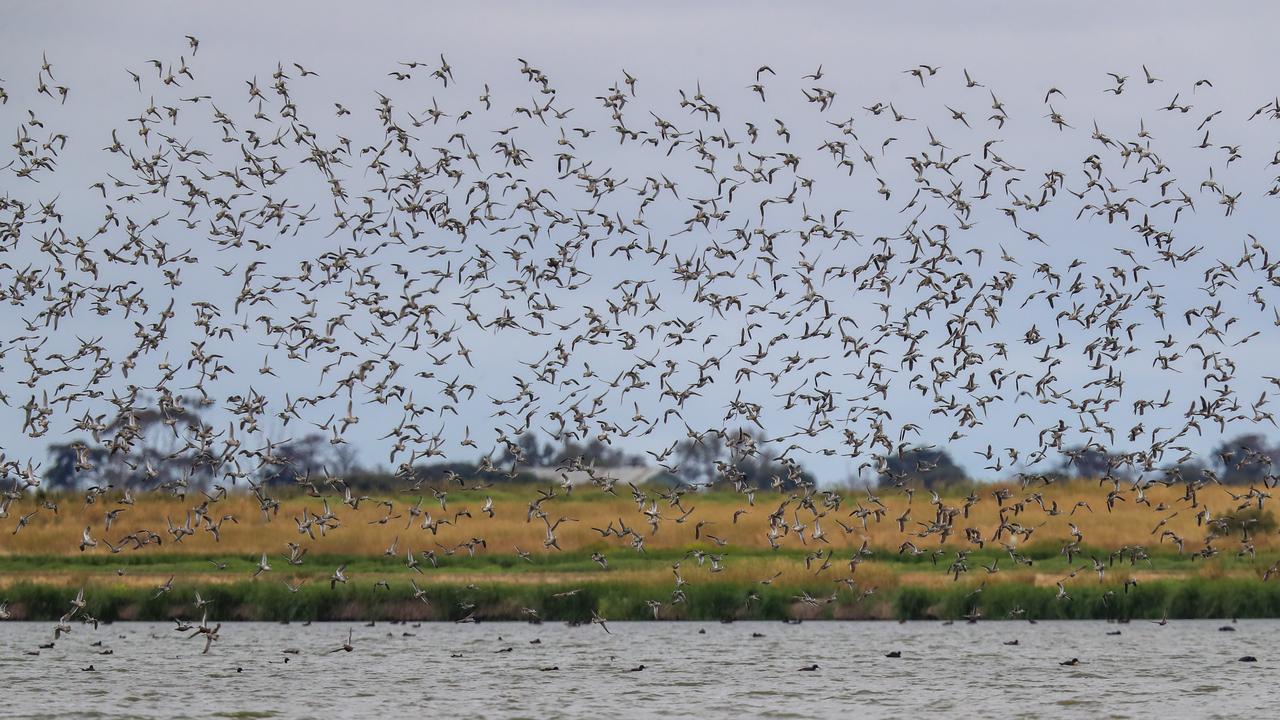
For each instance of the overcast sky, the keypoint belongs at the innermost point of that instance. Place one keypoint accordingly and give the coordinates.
(1019, 50)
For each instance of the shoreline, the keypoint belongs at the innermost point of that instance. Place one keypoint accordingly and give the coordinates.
(1190, 598)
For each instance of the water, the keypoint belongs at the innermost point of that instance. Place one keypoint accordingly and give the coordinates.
(1184, 669)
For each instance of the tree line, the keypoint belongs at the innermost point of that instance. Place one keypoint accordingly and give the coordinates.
(152, 450)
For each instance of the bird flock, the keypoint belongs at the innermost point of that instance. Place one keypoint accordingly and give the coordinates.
(773, 257)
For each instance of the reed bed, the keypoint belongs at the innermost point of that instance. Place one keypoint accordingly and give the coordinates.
(626, 600)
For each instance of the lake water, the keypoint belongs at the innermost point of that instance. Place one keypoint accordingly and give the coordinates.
(1183, 669)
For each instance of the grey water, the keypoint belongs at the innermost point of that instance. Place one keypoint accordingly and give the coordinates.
(1186, 669)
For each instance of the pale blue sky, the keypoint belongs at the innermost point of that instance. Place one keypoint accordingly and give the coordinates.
(1017, 49)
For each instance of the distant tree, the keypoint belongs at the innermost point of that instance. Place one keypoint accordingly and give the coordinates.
(695, 460)
(594, 453)
(1245, 459)
(61, 473)
(532, 451)
(345, 459)
(435, 475)
(140, 447)
(1190, 471)
(743, 458)
(1091, 462)
(528, 450)
(296, 459)
(929, 467)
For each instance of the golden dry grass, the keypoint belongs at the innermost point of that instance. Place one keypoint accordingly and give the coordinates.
(362, 533)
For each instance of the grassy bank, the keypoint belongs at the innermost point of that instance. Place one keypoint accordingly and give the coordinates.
(243, 600)
(723, 561)
(751, 584)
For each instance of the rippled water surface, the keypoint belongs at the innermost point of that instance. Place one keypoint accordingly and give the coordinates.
(499, 670)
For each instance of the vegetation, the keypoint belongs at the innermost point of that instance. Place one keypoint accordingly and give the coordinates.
(626, 600)
(41, 568)
(136, 454)
(470, 566)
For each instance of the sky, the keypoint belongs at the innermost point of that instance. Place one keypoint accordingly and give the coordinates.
(1017, 50)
